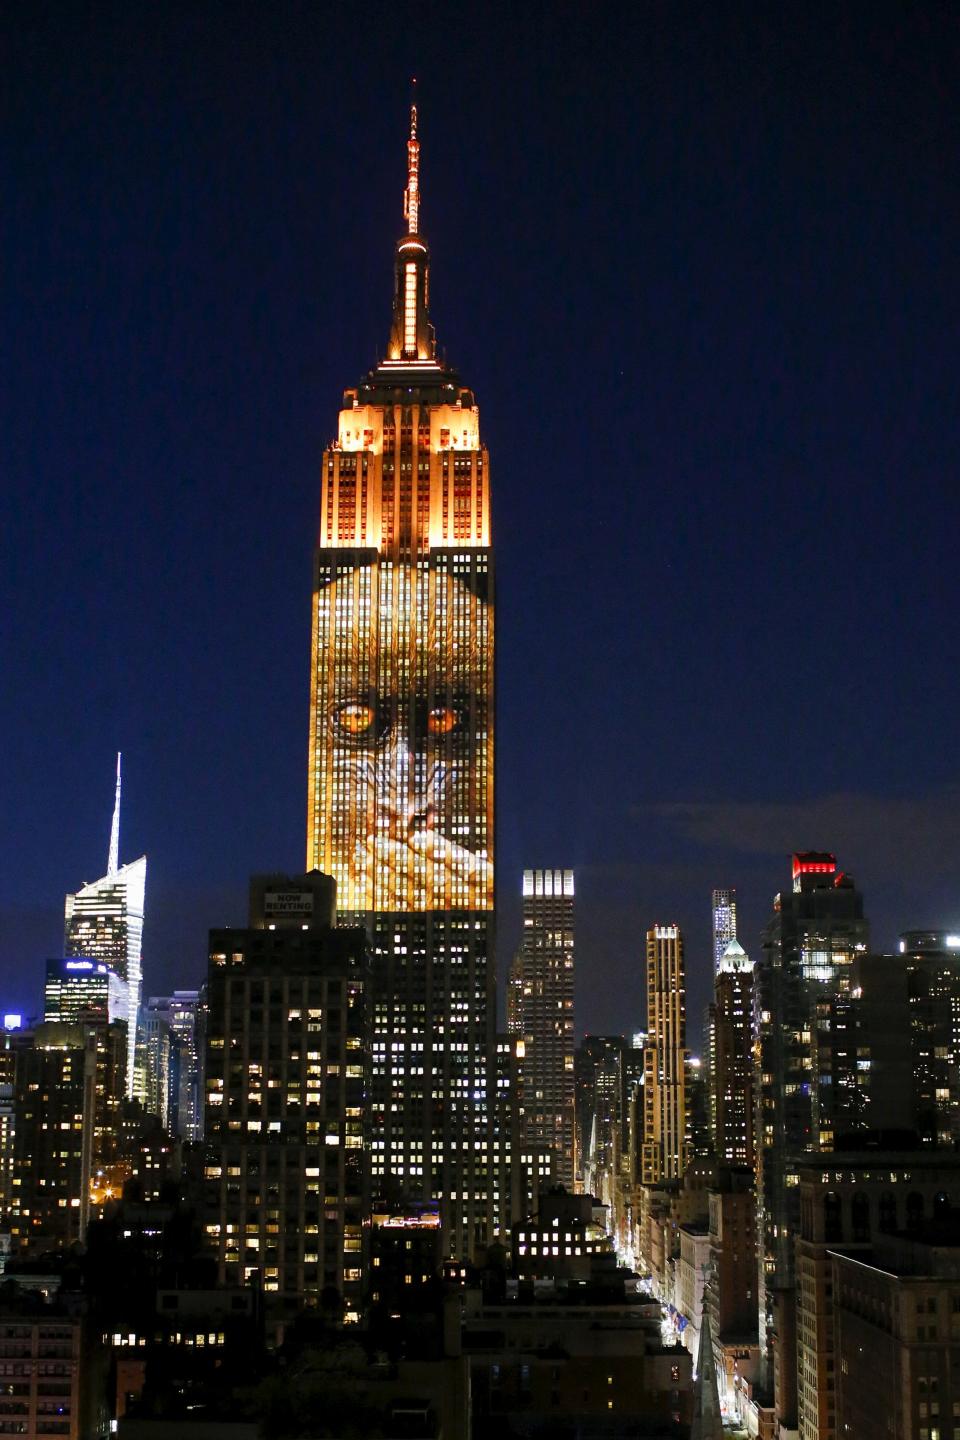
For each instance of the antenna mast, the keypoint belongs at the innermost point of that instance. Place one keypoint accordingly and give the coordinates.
(411, 196)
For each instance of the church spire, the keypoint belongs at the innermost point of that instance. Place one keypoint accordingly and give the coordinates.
(706, 1422)
(113, 854)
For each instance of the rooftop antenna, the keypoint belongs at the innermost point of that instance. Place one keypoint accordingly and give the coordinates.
(411, 196)
(113, 858)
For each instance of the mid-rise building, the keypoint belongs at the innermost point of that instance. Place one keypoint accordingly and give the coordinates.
(287, 1071)
(79, 989)
(665, 1131)
(46, 1388)
(400, 778)
(816, 932)
(566, 1240)
(184, 1013)
(154, 1064)
(690, 1271)
(585, 1369)
(932, 963)
(732, 1023)
(850, 1200)
(597, 1071)
(887, 1046)
(103, 922)
(519, 1172)
(730, 1293)
(541, 1011)
(68, 1093)
(896, 1324)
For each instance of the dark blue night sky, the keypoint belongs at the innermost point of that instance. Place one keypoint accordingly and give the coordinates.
(699, 263)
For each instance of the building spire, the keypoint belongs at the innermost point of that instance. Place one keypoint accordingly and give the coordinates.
(707, 1422)
(411, 196)
(113, 856)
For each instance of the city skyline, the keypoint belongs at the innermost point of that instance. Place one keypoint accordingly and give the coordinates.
(660, 709)
(211, 803)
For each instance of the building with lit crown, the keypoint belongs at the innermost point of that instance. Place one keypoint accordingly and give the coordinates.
(816, 932)
(733, 1060)
(400, 780)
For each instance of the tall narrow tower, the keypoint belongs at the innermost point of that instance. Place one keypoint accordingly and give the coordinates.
(814, 935)
(400, 782)
(724, 906)
(733, 1062)
(665, 1131)
(541, 1011)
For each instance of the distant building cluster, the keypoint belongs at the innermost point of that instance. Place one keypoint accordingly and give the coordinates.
(324, 1192)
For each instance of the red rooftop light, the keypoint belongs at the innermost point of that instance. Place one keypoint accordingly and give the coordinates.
(813, 862)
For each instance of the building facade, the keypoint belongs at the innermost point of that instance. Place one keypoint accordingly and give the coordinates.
(854, 1202)
(897, 1334)
(732, 1022)
(665, 1130)
(816, 932)
(541, 1012)
(931, 961)
(724, 909)
(77, 988)
(43, 1372)
(184, 1013)
(155, 1049)
(68, 1093)
(400, 781)
(287, 1070)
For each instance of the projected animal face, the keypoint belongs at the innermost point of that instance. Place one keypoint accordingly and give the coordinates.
(406, 721)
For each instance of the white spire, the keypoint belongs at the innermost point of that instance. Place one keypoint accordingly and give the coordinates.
(113, 857)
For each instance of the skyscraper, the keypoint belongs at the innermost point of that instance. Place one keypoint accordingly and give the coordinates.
(732, 1024)
(598, 1067)
(665, 1134)
(541, 1011)
(104, 921)
(816, 931)
(184, 1013)
(724, 923)
(400, 782)
(154, 1064)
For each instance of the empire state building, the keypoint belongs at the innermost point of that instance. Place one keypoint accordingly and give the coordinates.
(400, 786)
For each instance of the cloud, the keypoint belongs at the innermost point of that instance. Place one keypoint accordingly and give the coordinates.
(894, 839)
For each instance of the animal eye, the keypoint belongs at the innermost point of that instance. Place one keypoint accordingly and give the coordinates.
(356, 718)
(441, 720)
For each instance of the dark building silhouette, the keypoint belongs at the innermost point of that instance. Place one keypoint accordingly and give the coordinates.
(287, 1065)
(816, 932)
